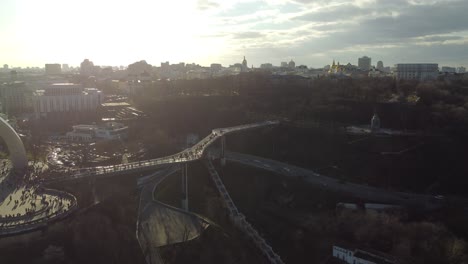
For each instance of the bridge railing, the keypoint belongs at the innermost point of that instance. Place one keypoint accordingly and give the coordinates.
(15, 228)
(193, 153)
(239, 219)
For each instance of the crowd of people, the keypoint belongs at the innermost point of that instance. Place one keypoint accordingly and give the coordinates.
(31, 200)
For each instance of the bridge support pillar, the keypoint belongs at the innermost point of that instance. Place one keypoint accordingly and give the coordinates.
(223, 151)
(184, 170)
(92, 183)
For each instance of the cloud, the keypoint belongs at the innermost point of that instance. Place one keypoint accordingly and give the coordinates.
(247, 35)
(314, 32)
(392, 31)
(440, 38)
(332, 13)
(206, 4)
(419, 20)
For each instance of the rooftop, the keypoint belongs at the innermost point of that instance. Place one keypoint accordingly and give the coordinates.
(63, 84)
(373, 257)
(116, 104)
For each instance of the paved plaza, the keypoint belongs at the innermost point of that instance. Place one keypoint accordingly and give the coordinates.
(23, 203)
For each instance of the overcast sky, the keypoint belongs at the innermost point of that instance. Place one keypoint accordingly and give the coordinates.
(311, 32)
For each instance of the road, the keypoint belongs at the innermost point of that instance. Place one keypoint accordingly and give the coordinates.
(362, 191)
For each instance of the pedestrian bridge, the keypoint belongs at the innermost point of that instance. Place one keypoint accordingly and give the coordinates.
(193, 153)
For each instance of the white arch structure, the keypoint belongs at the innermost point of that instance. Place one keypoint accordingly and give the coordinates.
(15, 145)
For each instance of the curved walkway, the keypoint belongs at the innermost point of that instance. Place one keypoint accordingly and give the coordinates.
(54, 205)
(160, 224)
(24, 206)
(190, 154)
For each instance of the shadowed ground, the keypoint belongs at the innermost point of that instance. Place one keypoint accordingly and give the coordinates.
(160, 224)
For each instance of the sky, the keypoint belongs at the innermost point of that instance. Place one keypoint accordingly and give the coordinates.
(310, 32)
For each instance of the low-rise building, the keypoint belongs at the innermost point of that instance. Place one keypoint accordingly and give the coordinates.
(266, 66)
(447, 69)
(375, 73)
(108, 131)
(53, 69)
(417, 71)
(63, 98)
(358, 256)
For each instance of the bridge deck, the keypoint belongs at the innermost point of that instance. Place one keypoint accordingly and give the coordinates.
(190, 154)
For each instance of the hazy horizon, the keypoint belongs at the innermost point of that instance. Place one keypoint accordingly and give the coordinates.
(265, 31)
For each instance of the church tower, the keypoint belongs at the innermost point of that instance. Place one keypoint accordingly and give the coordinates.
(244, 62)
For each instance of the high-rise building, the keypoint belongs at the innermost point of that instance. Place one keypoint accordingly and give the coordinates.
(87, 68)
(380, 66)
(416, 71)
(53, 69)
(16, 98)
(461, 69)
(364, 63)
(65, 67)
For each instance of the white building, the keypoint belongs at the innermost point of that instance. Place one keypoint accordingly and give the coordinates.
(461, 69)
(108, 131)
(358, 256)
(416, 71)
(266, 66)
(198, 74)
(448, 69)
(66, 98)
(375, 73)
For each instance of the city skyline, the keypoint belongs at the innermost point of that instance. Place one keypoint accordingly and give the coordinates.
(265, 31)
